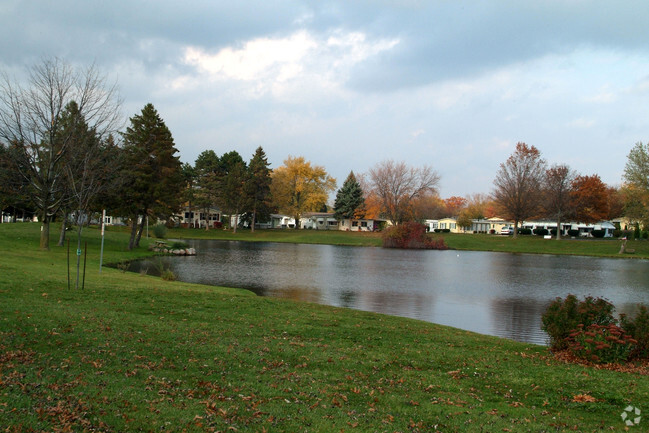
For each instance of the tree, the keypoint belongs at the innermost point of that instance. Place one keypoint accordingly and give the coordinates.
(30, 120)
(232, 181)
(299, 187)
(397, 186)
(155, 183)
(258, 186)
(428, 206)
(454, 205)
(636, 170)
(558, 193)
(615, 203)
(350, 202)
(87, 167)
(636, 178)
(589, 199)
(517, 187)
(635, 206)
(208, 169)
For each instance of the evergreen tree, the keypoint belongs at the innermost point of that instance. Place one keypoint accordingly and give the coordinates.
(258, 186)
(232, 197)
(155, 182)
(208, 169)
(350, 203)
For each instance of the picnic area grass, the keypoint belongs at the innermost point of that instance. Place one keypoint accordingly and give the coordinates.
(132, 352)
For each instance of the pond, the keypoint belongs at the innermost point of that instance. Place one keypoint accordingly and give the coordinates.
(500, 294)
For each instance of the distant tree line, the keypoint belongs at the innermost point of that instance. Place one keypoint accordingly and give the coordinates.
(66, 153)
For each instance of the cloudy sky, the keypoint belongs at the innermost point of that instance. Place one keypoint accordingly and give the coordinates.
(346, 84)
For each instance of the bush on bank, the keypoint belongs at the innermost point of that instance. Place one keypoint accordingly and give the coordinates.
(589, 330)
(411, 235)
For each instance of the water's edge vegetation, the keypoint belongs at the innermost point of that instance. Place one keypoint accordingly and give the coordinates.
(135, 353)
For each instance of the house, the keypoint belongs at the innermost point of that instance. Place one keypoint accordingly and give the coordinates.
(278, 221)
(194, 217)
(361, 225)
(319, 221)
(581, 229)
(443, 225)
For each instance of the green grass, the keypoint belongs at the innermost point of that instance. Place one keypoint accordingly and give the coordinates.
(136, 353)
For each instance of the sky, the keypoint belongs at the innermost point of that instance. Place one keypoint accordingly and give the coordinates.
(453, 85)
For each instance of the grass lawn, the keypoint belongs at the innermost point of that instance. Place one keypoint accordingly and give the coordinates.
(136, 353)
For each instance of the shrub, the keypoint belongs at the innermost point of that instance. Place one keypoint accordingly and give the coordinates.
(601, 344)
(160, 231)
(617, 233)
(168, 275)
(638, 328)
(573, 232)
(524, 231)
(645, 235)
(411, 235)
(541, 231)
(178, 245)
(598, 233)
(562, 317)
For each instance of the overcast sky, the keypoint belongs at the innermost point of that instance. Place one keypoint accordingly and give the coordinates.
(346, 84)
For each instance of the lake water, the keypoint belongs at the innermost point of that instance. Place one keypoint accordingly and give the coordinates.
(499, 294)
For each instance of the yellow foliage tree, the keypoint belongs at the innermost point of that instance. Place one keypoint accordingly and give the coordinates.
(298, 187)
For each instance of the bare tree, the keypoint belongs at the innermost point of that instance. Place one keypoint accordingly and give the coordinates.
(517, 187)
(30, 117)
(558, 193)
(396, 185)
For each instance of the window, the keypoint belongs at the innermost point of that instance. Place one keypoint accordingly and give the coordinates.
(354, 223)
(363, 223)
(453, 225)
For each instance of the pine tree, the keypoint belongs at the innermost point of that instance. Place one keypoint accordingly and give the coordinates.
(258, 186)
(232, 198)
(350, 203)
(154, 172)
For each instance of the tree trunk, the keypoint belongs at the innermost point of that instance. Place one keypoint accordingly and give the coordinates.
(131, 242)
(79, 229)
(515, 229)
(139, 233)
(45, 231)
(558, 228)
(254, 217)
(64, 225)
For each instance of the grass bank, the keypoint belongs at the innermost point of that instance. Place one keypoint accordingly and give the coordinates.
(475, 242)
(136, 353)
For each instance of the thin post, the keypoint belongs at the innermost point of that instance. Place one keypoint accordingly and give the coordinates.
(103, 226)
(85, 256)
(68, 263)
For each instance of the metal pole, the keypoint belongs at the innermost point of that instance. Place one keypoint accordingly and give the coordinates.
(68, 263)
(103, 225)
(85, 256)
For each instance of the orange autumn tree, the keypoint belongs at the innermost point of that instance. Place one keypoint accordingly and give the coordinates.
(589, 199)
(298, 187)
(454, 205)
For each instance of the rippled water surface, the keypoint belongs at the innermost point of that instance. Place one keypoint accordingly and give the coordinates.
(492, 293)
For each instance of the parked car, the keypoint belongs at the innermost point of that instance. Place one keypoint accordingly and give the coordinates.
(507, 231)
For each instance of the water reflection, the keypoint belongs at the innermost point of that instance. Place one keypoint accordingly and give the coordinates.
(492, 293)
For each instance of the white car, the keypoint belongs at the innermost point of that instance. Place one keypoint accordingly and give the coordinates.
(507, 231)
